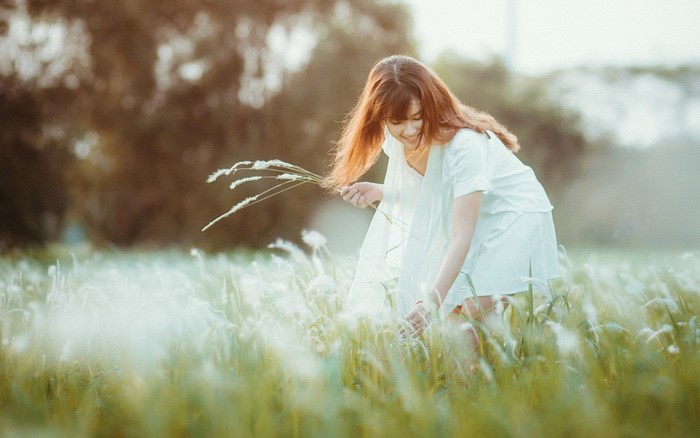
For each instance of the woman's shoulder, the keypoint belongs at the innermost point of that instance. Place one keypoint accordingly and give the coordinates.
(466, 146)
(465, 137)
(466, 134)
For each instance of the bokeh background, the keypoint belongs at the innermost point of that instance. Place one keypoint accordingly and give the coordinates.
(114, 113)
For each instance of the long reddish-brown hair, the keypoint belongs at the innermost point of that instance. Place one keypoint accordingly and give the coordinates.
(392, 85)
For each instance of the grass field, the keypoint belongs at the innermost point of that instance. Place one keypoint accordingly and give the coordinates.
(174, 344)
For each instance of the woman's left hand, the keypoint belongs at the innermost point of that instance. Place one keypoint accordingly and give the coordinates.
(418, 319)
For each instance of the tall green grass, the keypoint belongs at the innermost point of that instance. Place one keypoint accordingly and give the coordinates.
(178, 344)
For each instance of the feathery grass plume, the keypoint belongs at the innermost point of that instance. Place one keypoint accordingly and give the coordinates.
(236, 207)
(226, 171)
(238, 182)
(289, 175)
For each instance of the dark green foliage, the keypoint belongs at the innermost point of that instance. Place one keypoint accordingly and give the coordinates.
(157, 134)
(32, 184)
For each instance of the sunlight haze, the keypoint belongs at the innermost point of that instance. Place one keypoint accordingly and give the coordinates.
(553, 34)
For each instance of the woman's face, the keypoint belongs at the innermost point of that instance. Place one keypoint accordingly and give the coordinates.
(407, 131)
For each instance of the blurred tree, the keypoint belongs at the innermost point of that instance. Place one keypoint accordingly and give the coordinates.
(329, 85)
(32, 164)
(550, 135)
(643, 194)
(684, 92)
(177, 88)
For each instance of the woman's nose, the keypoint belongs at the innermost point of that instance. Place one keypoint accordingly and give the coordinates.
(412, 128)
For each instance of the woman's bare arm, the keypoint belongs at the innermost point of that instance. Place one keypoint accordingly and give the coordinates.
(465, 212)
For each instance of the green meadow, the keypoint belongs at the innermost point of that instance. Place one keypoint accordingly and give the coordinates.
(256, 344)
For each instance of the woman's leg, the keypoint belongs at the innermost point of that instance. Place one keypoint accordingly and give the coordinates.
(480, 308)
(477, 309)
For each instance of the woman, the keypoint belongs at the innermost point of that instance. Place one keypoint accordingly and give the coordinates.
(461, 221)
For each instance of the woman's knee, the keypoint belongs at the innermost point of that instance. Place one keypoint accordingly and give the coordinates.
(477, 308)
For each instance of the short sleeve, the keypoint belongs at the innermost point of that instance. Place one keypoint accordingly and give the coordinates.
(467, 164)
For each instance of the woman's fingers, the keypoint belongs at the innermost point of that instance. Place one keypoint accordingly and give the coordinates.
(354, 197)
(411, 329)
(418, 319)
(348, 194)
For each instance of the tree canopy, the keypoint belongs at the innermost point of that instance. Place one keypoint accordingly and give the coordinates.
(120, 111)
(172, 90)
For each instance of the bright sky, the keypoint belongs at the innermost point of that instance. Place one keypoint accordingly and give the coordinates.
(552, 34)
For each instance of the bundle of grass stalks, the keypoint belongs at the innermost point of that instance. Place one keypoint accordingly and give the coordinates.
(286, 176)
(258, 344)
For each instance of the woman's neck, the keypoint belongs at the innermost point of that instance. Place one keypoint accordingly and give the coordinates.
(417, 158)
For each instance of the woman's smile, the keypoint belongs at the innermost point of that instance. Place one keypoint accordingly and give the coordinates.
(408, 131)
(410, 142)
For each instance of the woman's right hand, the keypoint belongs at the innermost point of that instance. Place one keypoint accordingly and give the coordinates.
(362, 194)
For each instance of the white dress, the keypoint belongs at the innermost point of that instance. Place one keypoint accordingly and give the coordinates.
(514, 243)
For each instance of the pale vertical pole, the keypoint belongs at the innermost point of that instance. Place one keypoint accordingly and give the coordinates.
(511, 34)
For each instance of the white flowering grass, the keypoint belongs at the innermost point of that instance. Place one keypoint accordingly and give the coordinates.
(258, 344)
(287, 176)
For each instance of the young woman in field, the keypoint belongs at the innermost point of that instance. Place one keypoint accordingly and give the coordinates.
(461, 222)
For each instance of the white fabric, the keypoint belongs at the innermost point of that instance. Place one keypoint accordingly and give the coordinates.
(408, 235)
